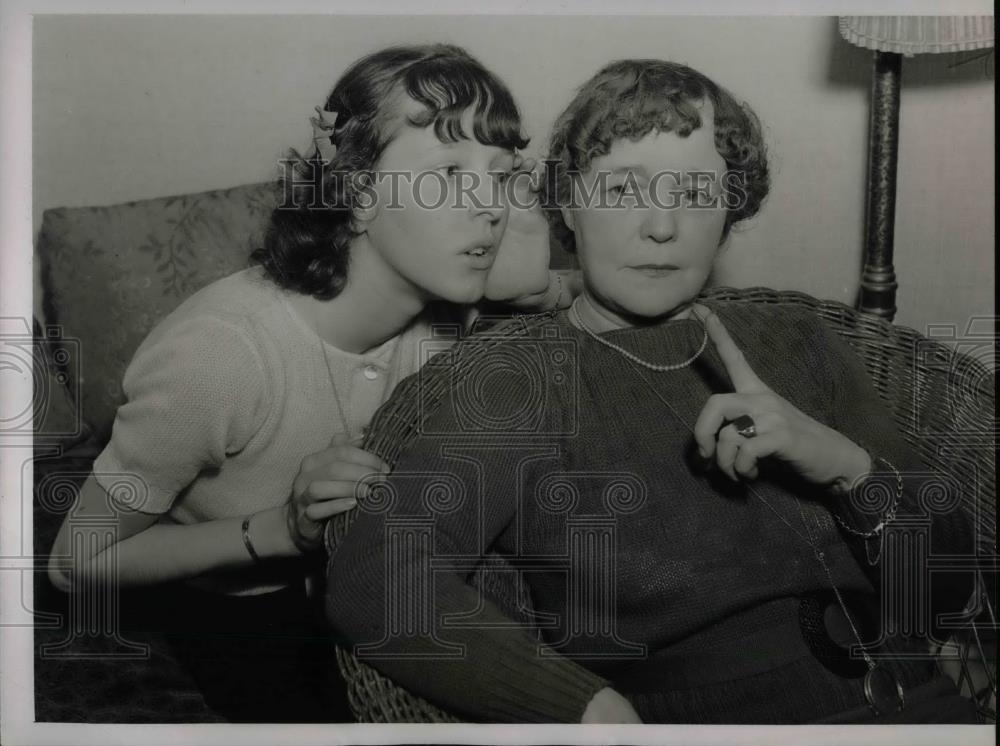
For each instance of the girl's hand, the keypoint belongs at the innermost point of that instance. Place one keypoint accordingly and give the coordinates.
(328, 483)
(521, 269)
(564, 286)
(608, 706)
(816, 452)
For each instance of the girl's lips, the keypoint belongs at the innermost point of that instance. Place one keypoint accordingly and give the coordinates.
(480, 259)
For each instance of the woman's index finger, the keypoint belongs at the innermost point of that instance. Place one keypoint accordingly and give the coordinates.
(745, 381)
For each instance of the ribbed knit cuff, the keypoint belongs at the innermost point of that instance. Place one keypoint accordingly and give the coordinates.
(525, 686)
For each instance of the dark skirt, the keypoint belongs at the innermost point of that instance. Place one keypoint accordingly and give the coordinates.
(777, 664)
(267, 658)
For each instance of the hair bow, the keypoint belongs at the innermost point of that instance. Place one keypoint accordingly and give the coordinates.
(324, 128)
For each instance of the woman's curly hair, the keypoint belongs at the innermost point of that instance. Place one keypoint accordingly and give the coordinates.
(629, 99)
(306, 245)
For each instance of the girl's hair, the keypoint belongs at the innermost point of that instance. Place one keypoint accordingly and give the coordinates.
(306, 245)
(630, 98)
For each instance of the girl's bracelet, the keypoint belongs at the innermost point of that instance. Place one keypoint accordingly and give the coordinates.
(246, 540)
(559, 294)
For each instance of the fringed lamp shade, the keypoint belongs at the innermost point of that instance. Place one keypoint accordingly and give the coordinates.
(909, 35)
(891, 38)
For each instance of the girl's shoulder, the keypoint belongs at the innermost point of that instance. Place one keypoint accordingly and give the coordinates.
(243, 294)
(247, 299)
(242, 310)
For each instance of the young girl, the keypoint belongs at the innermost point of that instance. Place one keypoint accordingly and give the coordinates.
(244, 407)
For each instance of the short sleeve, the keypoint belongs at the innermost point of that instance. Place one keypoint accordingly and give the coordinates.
(195, 392)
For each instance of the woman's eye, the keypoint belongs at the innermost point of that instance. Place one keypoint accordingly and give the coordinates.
(449, 171)
(615, 190)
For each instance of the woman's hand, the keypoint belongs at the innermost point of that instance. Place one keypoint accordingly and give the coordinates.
(608, 706)
(328, 483)
(816, 452)
(521, 269)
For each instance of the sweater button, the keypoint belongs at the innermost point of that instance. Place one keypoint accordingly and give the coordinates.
(371, 372)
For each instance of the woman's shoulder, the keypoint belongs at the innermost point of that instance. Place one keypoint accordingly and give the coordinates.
(772, 306)
(498, 359)
(783, 333)
(505, 335)
(772, 319)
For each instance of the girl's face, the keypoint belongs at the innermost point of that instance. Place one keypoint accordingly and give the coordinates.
(650, 256)
(440, 211)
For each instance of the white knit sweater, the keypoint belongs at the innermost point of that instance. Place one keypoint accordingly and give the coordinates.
(229, 393)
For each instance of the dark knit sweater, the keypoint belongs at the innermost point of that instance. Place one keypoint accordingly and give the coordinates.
(558, 451)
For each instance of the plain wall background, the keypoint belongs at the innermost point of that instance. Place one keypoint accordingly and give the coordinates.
(131, 107)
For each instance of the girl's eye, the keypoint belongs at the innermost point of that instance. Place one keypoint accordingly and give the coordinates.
(449, 171)
(615, 190)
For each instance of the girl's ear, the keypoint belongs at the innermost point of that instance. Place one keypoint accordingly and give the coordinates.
(568, 217)
(365, 207)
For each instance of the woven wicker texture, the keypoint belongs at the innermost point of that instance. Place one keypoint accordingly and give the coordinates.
(942, 401)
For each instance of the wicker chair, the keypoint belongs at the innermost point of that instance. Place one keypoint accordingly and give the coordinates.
(943, 402)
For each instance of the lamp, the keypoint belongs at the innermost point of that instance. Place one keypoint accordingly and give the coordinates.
(892, 38)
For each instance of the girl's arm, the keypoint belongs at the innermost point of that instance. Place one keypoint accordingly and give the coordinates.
(196, 391)
(142, 552)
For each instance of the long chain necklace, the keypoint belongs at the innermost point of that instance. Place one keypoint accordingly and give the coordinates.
(882, 689)
(341, 410)
(631, 356)
(880, 684)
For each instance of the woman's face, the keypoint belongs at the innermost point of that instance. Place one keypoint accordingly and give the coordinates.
(440, 212)
(646, 249)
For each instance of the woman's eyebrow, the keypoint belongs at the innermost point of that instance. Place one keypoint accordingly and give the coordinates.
(631, 168)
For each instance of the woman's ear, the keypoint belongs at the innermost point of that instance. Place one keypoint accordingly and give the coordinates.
(723, 243)
(568, 217)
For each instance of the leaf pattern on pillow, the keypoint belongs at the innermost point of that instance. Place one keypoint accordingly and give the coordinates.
(109, 274)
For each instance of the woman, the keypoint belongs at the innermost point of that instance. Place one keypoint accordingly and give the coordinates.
(697, 500)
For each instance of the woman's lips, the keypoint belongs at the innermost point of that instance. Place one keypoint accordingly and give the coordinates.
(654, 270)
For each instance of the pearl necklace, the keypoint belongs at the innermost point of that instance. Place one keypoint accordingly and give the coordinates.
(633, 357)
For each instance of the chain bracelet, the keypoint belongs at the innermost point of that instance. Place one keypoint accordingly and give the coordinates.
(889, 515)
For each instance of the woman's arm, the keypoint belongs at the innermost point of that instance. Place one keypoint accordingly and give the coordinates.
(859, 413)
(390, 589)
(848, 450)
